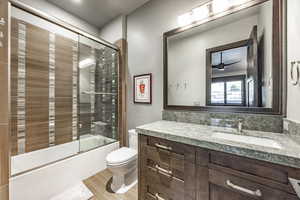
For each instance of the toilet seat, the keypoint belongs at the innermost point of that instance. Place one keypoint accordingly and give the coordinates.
(121, 156)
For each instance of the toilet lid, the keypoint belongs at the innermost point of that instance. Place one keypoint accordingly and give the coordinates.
(121, 155)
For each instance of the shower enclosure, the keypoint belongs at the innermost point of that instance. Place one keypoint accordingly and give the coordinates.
(64, 92)
(98, 94)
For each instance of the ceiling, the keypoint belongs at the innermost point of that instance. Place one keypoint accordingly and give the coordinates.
(98, 12)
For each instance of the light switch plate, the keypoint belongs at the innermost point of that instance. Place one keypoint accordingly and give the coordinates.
(286, 125)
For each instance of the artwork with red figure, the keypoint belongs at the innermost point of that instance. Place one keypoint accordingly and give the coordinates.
(143, 88)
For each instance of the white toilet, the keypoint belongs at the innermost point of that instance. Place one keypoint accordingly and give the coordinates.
(123, 165)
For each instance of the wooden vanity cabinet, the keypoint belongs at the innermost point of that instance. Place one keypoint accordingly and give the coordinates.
(231, 177)
(175, 171)
(166, 170)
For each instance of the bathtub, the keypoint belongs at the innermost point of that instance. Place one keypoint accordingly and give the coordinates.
(88, 142)
(53, 179)
(24, 162)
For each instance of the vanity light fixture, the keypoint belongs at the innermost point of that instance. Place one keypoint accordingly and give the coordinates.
(220, 5)
(238, 2)
(77, 1)
(212, 7)
(200, 13)
(185, 19)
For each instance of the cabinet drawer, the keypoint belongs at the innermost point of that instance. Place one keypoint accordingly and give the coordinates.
(166, 160)
(239, 188)
(163, 185)
(174, 148)
(166, 170)
(170, 156)
(250, 166)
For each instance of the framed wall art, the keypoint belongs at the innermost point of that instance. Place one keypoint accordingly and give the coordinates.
(142, 85)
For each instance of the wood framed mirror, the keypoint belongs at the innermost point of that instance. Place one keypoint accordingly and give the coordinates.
(232, 61)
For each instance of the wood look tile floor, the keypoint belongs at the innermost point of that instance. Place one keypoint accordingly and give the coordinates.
(100, 187)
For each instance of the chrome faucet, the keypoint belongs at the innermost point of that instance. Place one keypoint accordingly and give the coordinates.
(240, 126)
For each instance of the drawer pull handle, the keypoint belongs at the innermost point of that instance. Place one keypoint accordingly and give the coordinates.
(159, 169)
(163, 147)
(158, 197)
(256, 193)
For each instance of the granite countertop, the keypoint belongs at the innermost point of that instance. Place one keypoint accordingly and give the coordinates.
(202, 136)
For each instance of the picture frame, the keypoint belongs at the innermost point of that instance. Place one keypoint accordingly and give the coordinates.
(142, 89)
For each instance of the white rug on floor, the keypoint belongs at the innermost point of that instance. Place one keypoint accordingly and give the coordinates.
(78, 192)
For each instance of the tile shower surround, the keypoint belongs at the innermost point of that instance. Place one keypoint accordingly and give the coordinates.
(257, 122)
(55, 61)
(102, 108)
(106, 81)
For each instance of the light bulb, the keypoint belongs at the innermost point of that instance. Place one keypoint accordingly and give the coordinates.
(220, 5)
(238, 2)
(77, 1)
(200, 13)
(184, 19)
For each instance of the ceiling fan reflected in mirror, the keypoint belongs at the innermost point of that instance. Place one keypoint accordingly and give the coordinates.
(222, 65)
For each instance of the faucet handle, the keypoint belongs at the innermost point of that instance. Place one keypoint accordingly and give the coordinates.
(240, 125)
(240, 121)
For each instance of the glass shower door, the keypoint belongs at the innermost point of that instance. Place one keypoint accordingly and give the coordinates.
(98, 94)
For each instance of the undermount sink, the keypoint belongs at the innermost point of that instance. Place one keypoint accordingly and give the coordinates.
(265, 142)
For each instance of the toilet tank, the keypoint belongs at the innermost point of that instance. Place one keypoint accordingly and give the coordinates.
(133, 139)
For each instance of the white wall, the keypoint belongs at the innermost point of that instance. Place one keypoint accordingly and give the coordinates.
(187, 59)
(145, 29)
(114, 30)
(293, 109)
(57, 12)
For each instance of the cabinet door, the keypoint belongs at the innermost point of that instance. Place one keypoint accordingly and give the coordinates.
(225, 186)
(220, 193)
(202, 160)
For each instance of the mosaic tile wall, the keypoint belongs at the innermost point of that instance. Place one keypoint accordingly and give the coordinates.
(43, 88)
(106, 84)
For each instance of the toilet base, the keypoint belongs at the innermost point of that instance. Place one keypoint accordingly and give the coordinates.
(122, 183)
(123, 189)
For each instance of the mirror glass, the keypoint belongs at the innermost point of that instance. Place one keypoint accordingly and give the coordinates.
(225, 62)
